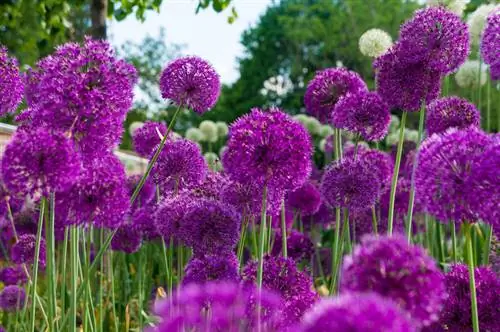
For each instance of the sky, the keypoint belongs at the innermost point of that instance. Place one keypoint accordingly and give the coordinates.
(206, 34)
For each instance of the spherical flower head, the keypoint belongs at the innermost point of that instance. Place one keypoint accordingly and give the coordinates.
(13, 275)
(467, 75)
(270, 148)
(477, 20)
(365, 114)
(282, 276)
(490, 40)
(374, 42)
(405, 85)
(39, 162)
(436, 36)
(209, 130)
(147, 193)
(302, 118)
(356, 312)
(191, 82)
(350, 184)
(11, 84)
(147, 138)
(398, 271)
(213, 161)
(450, 112)
(127, 239)
(445, 163)
(194, 134)
(305, 199)
(12, 298)
(169, 216)
(455, 6)
(325, 131)
(312, 125)
(180, 164)
(299, 246)
(456, 313)
(144, 221)
(210, 188)
(323, 216)
(207, 268)
(100, 196)
(222, 128)
(394, 124)
(327, 87)
(23, 251)
(210, 227)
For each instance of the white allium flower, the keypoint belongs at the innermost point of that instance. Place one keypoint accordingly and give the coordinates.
(313, 125)
(411, 135)
(209, 130)
(454, 6)
(392, 139)
(468, 74)
(222, 128)
(213, 161)
(477, 20)
(134, 126)
(322, 145)
(394, 124)
(302, 118)
(325, 131)
(374, 42)
(195, 135)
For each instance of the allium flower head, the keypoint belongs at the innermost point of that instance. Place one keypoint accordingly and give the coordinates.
(194, 134)
(365, 114)
(477, 20)
(398, 271)
(305, 199)
(312, 125)
(299, 246)
(327, 87)
(169, 216)
(180, 164)
(356, 312)
(270, 148)
(455, 6)
(12, 298)
(325, 131)
(210, 227)
(209, 130)
(222, 128)
(323, 216)
(210, 188)
(144, 221)
(147, 138)
(211, 268)
(127, 238)
(39, 162)
(212, 160)
(11, 85)
(445, 163)
(467, 75)
(23, 251)
(351, 184)
(436, 36)
(374, 42)
(449, 112)
(13, 275)
(191, 82)
(456, 313)
(490, 41)
(147, 193)
(282, 276)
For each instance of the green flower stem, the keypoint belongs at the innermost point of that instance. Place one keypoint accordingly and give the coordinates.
(51, 263)
(284, 245)
(74, 278)
(342, 242)
(488, 106)
(374, 221)
(241, 244)
(263, 218)
(472, 281)
(113, 299)
(390, 219)
(335, 249)
(479, 74)
(487, 244)
(269, 234)
(453, 242)
(167, 266)
(439, 242)
(35, 263)
(255, 246)
(141, 268)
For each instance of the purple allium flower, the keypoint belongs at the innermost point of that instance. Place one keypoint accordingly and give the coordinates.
(449, 112)
(180, 164)
(100, 196)
(211, 268)
(169, 216)
(12, 298)
(436, 36)
(269, 148)
(490, 41)
(363, 113)
(323, 216)
(210, 227)
(350, 184)
(211, 187)
(144, 221)
(218, 306)
(26, 221)
(191, 82)
(356, 312)
(404, 85)
(147, 193)
(2, 329)
(147, 137)
(13, 275)
(282, 276)
(401, 272)
(11, 85)
(305, 199)
(15, 203)
(23, 251)
(128, 239)
(39, 162)
(81, 89)
(456, 314)
(445, 163)
(299, 246)
(327, 87)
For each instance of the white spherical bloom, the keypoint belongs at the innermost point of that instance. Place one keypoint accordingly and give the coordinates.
(374, 42)
(213, 161)
(209, 130)
(411, 135)
(468, 74)
(195, 135)
(312, 125)
(134, 126)
(222, 128)
(454, 6)
(392, 139)
(325, 131)
(302, 118)
(477, 20)
(394, 124)
(322, 145)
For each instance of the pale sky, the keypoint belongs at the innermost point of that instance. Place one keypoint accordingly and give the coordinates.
(206, 34)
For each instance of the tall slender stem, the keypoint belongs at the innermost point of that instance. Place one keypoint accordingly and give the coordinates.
(263, 218)
(487, 244)
(453, 242)
(374, 220)
(472, 281)
(335, 249)
(243, 236)
(439, 242)
(390, 219)
(74, 277)
(51, 263)
(284, 245)
(36, 261)
(343, 236)
(488, 106)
